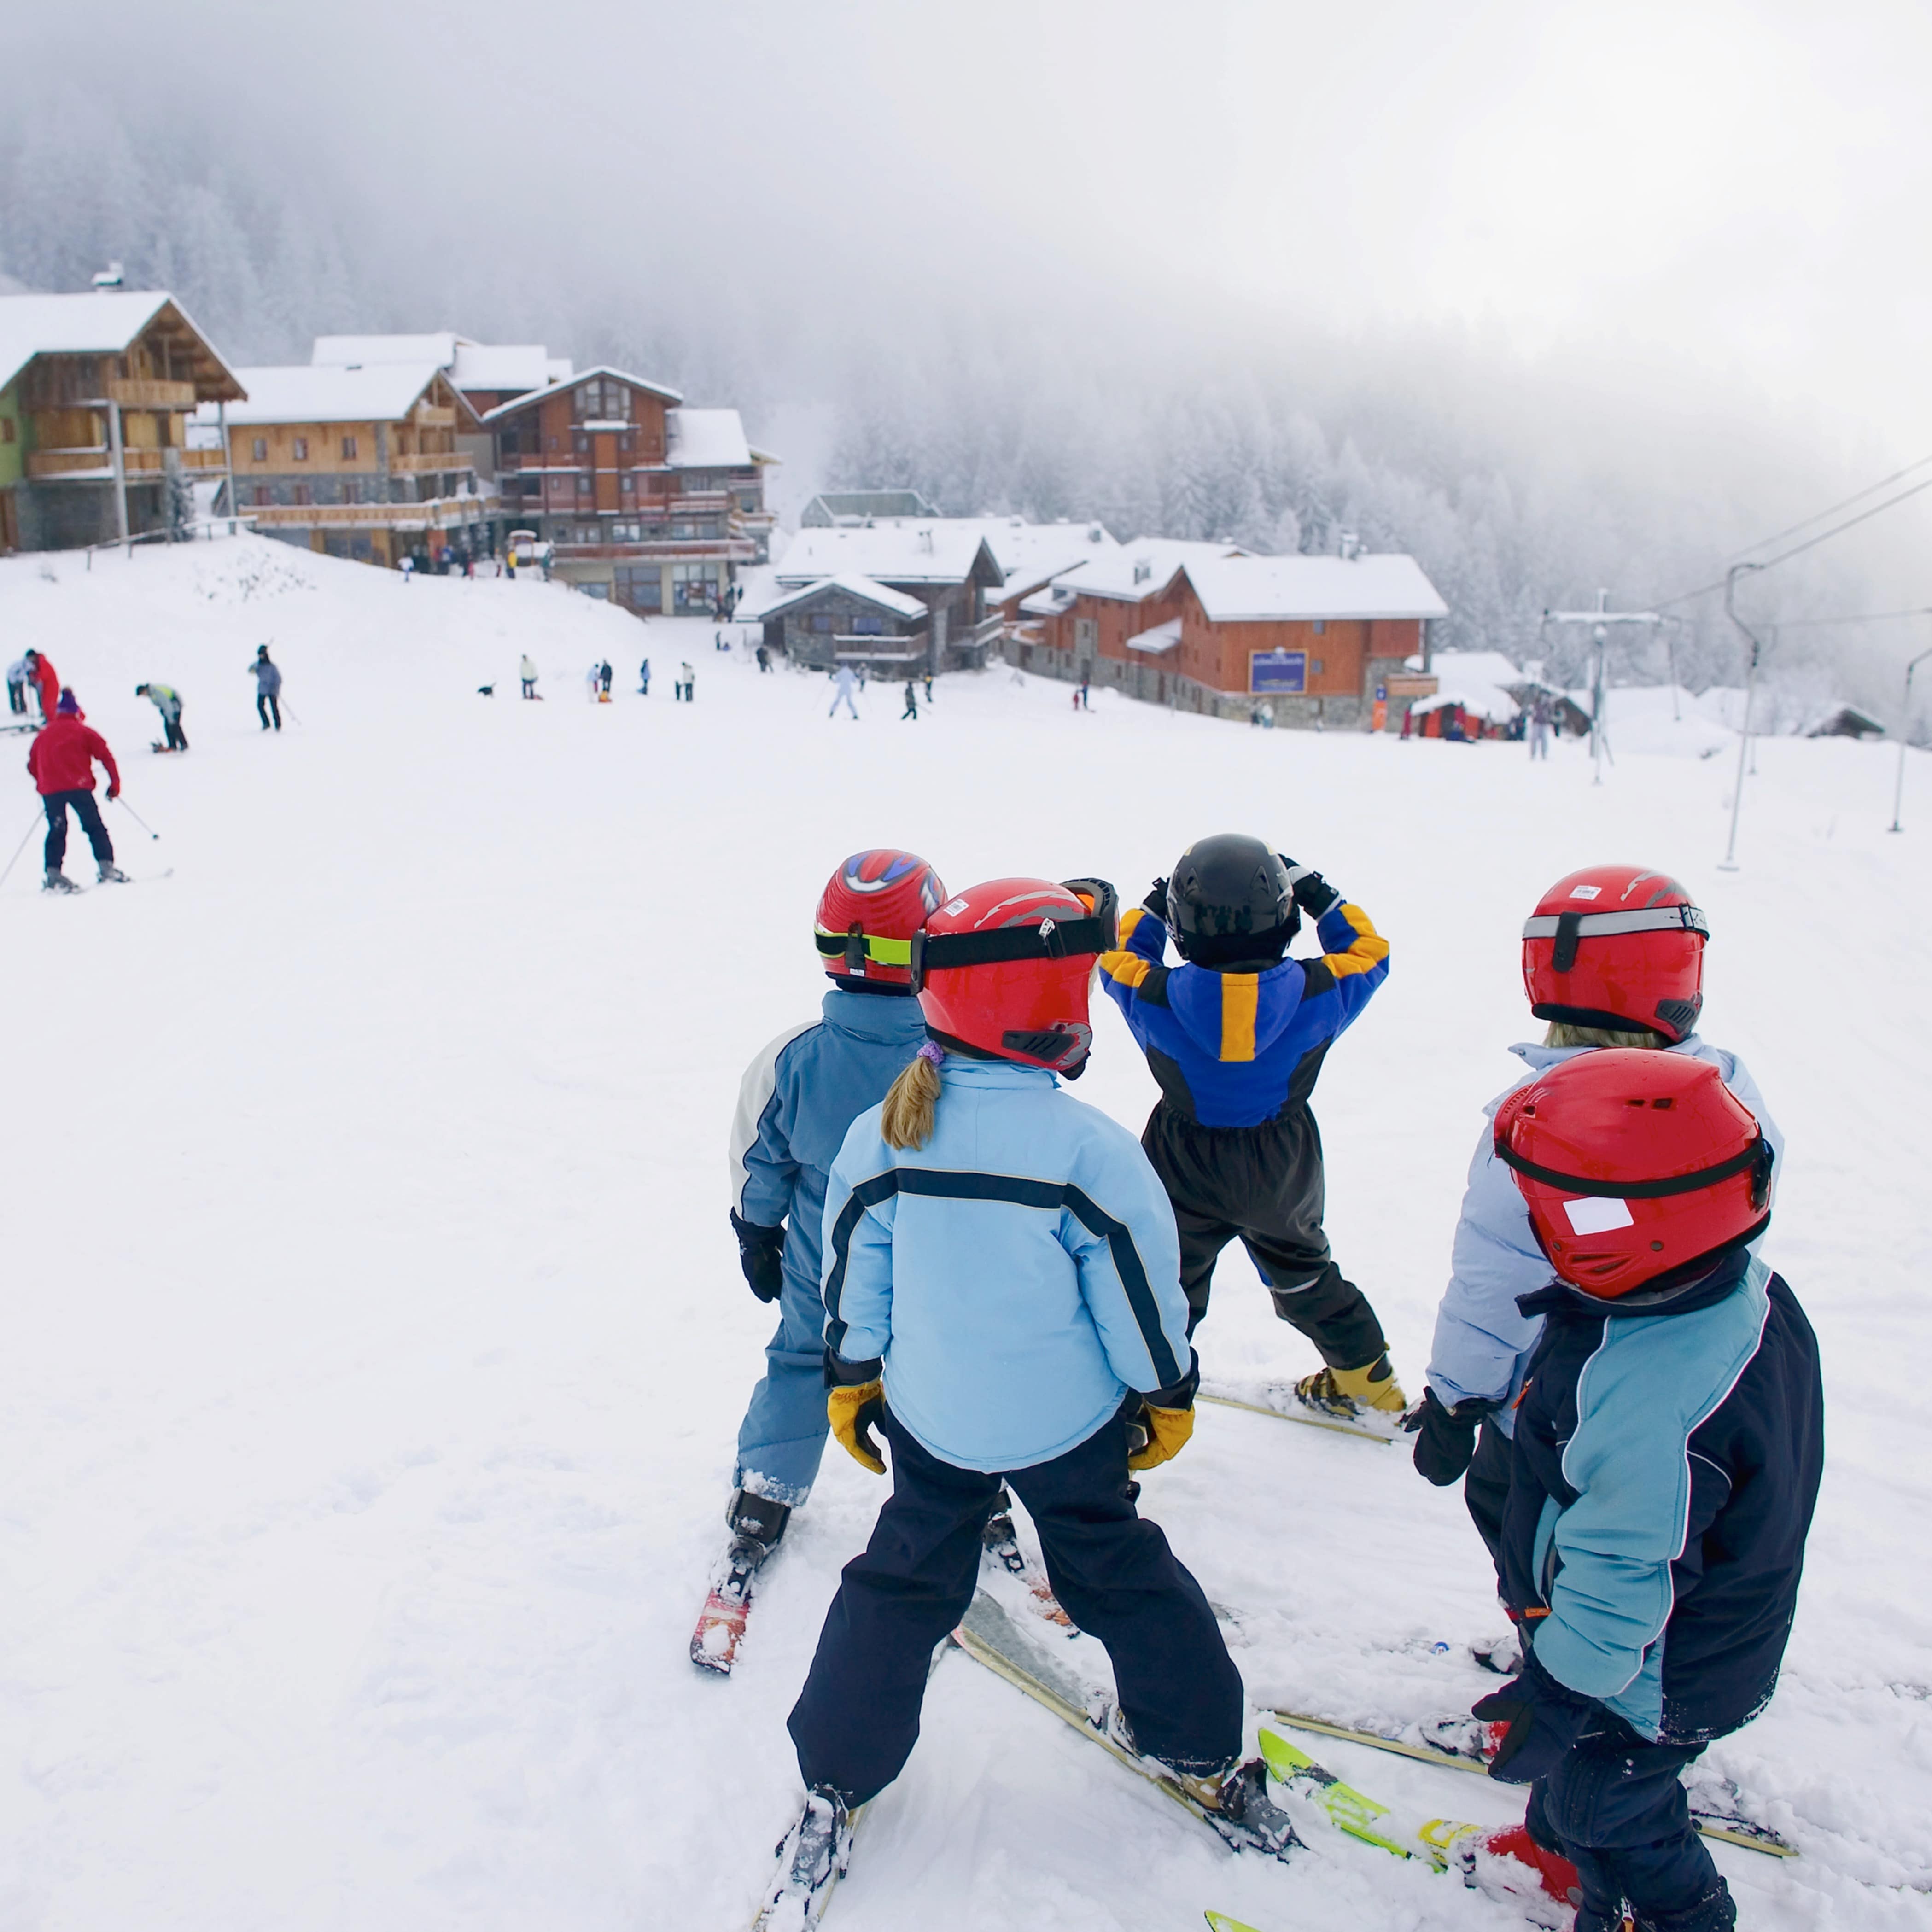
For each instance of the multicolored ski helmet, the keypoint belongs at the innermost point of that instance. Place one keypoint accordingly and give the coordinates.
(1635, 1166)
(1004, 970)
(869, 912)
(1617, 947)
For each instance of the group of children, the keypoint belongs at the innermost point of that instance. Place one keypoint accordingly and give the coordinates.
(998, 1279)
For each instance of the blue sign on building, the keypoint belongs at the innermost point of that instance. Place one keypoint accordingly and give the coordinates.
(1277, 670)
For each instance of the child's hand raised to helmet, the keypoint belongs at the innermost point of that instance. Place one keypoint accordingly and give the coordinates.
(1156, 901)
(1313, 893)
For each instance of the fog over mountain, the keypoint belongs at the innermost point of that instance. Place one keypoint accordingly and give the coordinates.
(1554, 299)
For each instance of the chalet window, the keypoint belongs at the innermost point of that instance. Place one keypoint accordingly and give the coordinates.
(868, 627)
(821, 620)
(580, 442)
(639, 587)
(348, 449)
(603, 399)
(352, 490)
(1320, 625)
(1318, 665)
(510, 444)
(627, 483)
(6, 429)
(302, 493)
(625, 441)
(301, 449)
(585, 484)
(264, 495)
(551, 444)
(1086, 634)
(260, 452)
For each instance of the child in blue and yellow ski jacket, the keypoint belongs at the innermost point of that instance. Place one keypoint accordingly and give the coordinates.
(1236, 1049)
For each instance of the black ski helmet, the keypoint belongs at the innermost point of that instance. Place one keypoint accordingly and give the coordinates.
(1228, 897)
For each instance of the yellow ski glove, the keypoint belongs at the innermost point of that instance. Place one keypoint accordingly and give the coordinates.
(854, 1408)
(1162, 1434)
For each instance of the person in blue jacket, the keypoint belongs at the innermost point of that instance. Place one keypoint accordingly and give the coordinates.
(797, 1098)
(1002, 1300)
(1668, 1449)
(1236, 1037)
(1604, 990)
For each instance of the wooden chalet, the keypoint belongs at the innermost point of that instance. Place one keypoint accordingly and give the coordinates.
(643, 501)
(96, 392)
(365, 463)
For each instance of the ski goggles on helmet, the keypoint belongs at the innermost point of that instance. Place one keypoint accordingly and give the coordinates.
(857, 945)
(1099, 932)
(1566, 929)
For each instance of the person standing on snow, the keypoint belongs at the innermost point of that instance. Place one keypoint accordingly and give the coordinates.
(167, 701)
(61, 762)
(1236, 1037)
(843, 684)
(797, 1098)
(45, 681)
(687, 689)
(911, 702)
(644, 679)
(16, 688)
(526, 674)
(764, 658)
(994, 1344)
(1669, 1447)
(604, 675)
(1539, 727)
(1613, 957)
(268, 688)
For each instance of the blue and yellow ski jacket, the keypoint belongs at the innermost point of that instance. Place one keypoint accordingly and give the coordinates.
(1236, 1049)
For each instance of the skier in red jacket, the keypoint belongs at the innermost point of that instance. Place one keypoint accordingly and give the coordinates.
(45, 681)
(61, 762)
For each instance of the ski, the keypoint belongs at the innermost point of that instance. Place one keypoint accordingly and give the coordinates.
(1279, 1399)
(813, 1856)
(721, 1624)
(1459, 1744)
(75, 888)
(990, 1636)
(1000, 1542)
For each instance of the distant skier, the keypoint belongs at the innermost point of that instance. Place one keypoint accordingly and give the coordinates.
(843, 684)
(16, 687)
(797, 1098)
(993, 1344)
(407, 567)
(687, 687)
(1613, 957)
(167, 701)
(61, 762)
(911, 702)
(526, 674)
(603, 675)
(590, 681)
(268, 688)
(764, 658)
(928, 687)
(1086, 700)
(1539, 727)
(1236, 1037)
(45, 681)
(644, 679)
(1669, 1443)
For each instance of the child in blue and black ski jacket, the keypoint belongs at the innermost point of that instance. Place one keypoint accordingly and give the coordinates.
(1237, 1046)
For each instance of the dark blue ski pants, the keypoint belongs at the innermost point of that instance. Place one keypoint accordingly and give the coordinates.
(55, 803)
(857, 1718)
(1615, 1808)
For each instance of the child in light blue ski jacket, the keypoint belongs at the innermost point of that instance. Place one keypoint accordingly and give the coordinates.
(1029, 1237)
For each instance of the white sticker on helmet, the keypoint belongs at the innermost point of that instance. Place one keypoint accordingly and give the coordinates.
(1586, 891)
(1598, 1214)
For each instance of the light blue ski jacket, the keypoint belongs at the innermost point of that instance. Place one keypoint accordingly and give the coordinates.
(794, 1105)
(1483, 1339)
(1019, 1274)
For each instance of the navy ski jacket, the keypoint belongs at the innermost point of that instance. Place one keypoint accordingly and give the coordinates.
(1666, 1461)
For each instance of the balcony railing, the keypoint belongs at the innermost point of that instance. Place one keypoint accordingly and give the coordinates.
(434, 415)
(438, 513)
(151, 395)
(428, 465)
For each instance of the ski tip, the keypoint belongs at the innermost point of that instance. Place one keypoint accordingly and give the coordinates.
(1219, 1922)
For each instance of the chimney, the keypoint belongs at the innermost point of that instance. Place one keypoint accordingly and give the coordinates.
(109, 277)
(926, 542)
(1143, 568)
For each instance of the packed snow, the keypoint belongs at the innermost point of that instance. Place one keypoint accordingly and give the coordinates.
(378, 1343)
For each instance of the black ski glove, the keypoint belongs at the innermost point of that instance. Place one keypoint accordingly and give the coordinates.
(1543, 1717)
(761, 1254)
(1312, 893)
(1156, 901)
(1445, 1438)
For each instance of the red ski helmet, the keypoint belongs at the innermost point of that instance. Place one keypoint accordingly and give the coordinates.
(1003, 970)
(869, 912)
(1617, 947)
(1635, 1164)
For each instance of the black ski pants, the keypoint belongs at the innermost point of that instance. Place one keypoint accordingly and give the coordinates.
(1614, 1807)
(88, 813)
(177, 737)
(857, 1718)
(266, 701)
(1263, 1186)
(1486, 1489)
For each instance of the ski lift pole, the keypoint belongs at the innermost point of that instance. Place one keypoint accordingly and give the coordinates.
(1904, 723)
(1729, 863)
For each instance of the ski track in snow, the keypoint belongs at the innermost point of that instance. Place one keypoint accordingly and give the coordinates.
(377, 1342)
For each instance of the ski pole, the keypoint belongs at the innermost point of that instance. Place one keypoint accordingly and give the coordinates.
(136, 816)
(21, 848)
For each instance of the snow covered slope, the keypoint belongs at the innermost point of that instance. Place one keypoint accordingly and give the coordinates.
(375, 1342)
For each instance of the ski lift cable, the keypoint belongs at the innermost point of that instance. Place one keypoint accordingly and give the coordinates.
(1797, 549)
(1804, 523)
(1858, 617)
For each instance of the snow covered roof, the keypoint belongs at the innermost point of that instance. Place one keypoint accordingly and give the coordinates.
(707, 439)
(1261, 587)
(778, 598)
(1145, 568)
(1479, 681)
(99, 323)
(519, 367)
(1476, 667)
(302, 393)
(1032, 553)
(914, 550)
(1161, 637)
(346, 352)
(1051, 599)
(837, 506)
(516, 403)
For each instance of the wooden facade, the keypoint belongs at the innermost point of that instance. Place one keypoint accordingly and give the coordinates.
(96, 392)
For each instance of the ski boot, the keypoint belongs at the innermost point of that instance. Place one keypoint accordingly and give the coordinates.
(1235, 1802)
(57, 881)
(1000, 1540)
(1356, 1395)
(757, 1524)
(111, 874)
(812, 1857)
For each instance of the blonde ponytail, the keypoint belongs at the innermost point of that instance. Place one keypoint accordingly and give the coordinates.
(1562, 1033)
(906, 1120)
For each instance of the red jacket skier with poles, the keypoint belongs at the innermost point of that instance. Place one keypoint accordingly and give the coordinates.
(62, 765)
